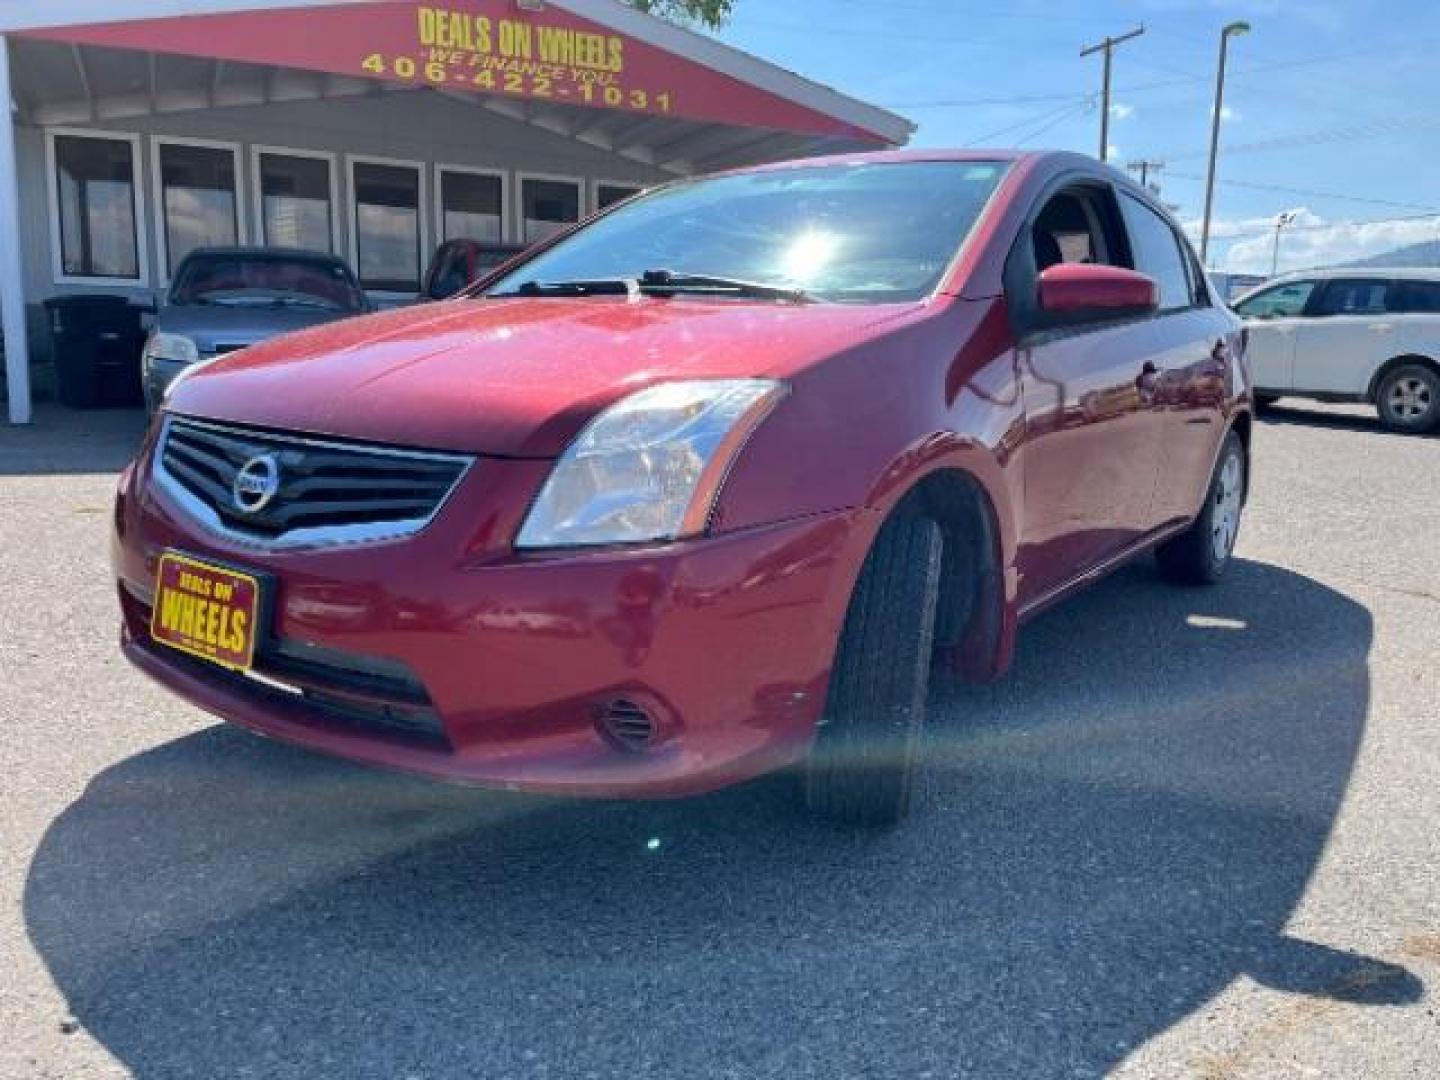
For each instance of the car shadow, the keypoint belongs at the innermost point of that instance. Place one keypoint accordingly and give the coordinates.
(1346, 418)
(1104, 841)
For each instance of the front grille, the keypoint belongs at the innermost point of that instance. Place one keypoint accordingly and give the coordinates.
(327, 491)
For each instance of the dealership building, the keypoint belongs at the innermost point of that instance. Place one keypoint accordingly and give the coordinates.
(376, 129)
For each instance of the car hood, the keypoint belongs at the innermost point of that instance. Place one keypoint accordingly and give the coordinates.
(511, 377)
(215, 326)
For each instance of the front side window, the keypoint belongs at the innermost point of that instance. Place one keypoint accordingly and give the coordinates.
(1157, 253)
(1070, 228)
(198, 203)
(95, 189)
(295, 201)
(547, 207)
(1353, 296)
(471, 206)
(872, 232)
(1280, 302)
(387, 226)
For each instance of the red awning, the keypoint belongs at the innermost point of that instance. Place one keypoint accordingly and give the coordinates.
(477, 46)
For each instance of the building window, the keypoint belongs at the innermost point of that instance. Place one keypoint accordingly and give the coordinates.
(199, 202)
(387, 235)
(96, 206)
(547, 205)
(607, 194)
(297, 199)
(472, 205)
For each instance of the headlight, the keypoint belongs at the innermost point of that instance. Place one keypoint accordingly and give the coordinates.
(648, 467)
(174, 347)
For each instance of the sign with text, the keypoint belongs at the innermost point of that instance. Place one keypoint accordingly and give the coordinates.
(477, 46)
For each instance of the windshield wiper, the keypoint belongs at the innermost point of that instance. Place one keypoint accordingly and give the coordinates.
(667, 282)
(579, 287)
(305, 301)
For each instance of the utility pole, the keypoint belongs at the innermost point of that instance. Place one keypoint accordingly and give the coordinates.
(1234, 29)
(1145, 168)
(1108, 47)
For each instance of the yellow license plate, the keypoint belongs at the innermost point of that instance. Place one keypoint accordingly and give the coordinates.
(205, 610)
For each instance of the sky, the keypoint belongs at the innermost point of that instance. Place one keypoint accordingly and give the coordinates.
(1330, 106)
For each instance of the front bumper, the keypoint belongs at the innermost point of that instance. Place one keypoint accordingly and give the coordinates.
(491, 668)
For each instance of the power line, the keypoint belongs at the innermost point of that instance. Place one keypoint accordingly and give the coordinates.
(1251, 234)
(1310, 193)
(1075, 111)
(1028, 121)
(1180, 79)
(1373, 129)
(966, 103)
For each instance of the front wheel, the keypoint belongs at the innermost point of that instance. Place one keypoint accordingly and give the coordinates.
(863, 763)
(1201, 554)
(1408, 399)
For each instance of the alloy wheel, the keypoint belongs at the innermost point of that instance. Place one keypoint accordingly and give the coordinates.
(1225, 520)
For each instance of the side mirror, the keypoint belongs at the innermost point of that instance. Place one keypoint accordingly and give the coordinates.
(1094, 291)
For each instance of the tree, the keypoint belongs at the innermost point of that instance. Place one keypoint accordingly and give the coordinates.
(710, 13)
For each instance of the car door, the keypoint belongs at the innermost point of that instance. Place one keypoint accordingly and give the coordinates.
(1348, 332)
(1090, 448)
(1415, 306)
(1195, 342)
(1273, 317)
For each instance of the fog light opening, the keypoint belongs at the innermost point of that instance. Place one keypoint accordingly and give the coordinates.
(626, 725)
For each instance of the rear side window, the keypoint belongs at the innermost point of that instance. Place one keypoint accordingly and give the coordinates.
(1353, 296)
(1157, 253)
(1415, 297)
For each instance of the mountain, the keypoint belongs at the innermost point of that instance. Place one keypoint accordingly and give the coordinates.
(1425, 253)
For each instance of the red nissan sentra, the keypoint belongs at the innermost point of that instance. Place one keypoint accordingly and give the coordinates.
(700, 489)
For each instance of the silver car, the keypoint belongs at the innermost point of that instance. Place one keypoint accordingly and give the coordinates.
(223, 299)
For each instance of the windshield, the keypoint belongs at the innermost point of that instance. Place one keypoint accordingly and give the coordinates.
(266, 280)
(853, 233)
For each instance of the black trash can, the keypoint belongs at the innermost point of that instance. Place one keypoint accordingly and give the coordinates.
(96, 343)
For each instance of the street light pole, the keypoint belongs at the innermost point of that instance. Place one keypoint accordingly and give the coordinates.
(1107, 47)
(1281, 221)
(1234, 29)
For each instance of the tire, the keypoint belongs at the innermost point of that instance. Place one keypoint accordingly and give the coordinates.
(1265, 402)
(863, 764)
(1408, 399)
(1201, 554)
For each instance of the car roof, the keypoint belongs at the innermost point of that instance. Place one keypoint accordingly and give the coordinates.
(1398, 273)
(892, 156)
(257, 252)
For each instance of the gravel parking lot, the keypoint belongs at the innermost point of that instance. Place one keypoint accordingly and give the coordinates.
(1194, 834)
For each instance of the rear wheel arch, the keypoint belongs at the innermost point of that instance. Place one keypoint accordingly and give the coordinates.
(1373, 390)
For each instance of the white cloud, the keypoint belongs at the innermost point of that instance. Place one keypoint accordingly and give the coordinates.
(1121, 111)
(1227, 114)
(1310, 241)
(1112, 154)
